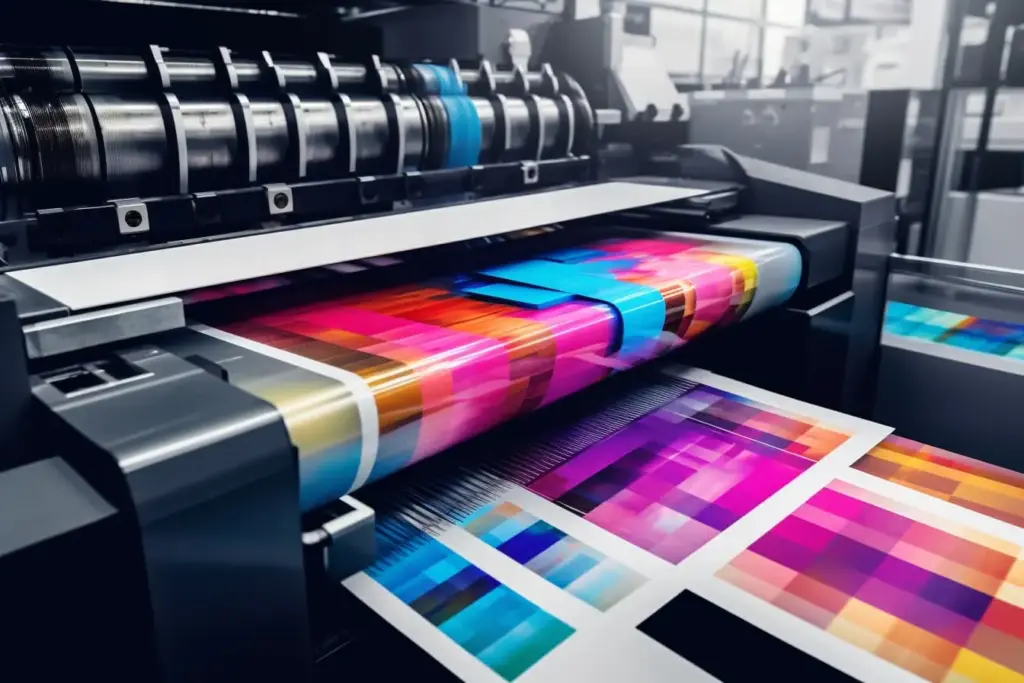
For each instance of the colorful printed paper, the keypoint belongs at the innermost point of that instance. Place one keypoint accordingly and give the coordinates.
(771, 426)
(552, 554)
(954, 329)
(440, 364)
(499, 627)
(605, 507)
(674, 479)
(939, 600)
(963, 481)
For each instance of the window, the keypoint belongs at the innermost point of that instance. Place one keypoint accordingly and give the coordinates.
(786, 12)
(731, 45)
(779, 50)
(706, 41)
(745, 9)
(678, 36)
(682, 4)
(881, 11)
(828, 10)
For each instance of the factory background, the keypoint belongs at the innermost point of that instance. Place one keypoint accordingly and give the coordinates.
(512, 341)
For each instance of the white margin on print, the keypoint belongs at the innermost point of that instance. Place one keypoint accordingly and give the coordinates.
(720, 550)
(933, 511)
(828, 418)
(538, 590)
(605, 542)
(365, 404)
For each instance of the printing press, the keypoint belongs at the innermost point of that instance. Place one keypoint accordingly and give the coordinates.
(204, 256)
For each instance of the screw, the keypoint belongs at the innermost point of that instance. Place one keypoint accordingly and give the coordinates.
(133, 219)
(281, 200)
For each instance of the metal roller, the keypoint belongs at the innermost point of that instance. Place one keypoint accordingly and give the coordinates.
(369, 119)
(73, 149)
(62, 69)
(135, 146)
(60, 148)
(274, 145)
(413, 120)
(323, 139)
(485, 112)
(211, 144)
(517, 114)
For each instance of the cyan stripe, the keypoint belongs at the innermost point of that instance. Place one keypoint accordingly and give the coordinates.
(641, 309)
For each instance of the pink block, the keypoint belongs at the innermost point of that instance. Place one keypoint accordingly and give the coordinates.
(837, 503)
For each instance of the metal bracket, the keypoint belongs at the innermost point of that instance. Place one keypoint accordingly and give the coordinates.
(132, 216)
(105, 326)
(348, 541)
(279, 199)
(531, 173)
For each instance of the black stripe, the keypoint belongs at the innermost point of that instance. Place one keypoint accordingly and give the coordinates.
(729, 648)
(363, 646)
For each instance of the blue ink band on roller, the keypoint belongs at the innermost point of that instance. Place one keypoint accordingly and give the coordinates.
(527, 297)
(641, 309)
(464, 132)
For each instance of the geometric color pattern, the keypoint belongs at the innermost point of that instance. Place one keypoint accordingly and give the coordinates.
(674, 479)
(954, 329)
(745, 417)
(936, 599)
(503, 630)
(443, 365)
(963, 481)
(561, 559)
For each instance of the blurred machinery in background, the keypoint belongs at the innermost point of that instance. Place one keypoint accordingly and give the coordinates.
(188, 520)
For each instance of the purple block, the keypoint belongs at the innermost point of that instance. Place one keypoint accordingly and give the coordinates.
(902, 574)
(788, 554)
(955, 597)
(910, 608)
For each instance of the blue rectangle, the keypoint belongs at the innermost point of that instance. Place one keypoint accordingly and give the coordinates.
(641, 309)
(529, 297)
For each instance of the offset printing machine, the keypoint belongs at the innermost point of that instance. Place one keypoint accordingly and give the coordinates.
(157, 521)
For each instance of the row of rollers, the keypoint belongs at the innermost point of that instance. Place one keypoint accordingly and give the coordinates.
(74, 149)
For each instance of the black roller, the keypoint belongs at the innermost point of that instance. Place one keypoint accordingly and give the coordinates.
(135, 146)
(212, 144)
(62, 69)
(437, 133)
(275, 148)
(68, 164)
(46, 69)
(323, 139)
(64, 148)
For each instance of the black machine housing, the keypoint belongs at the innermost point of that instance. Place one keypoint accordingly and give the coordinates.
(152, 523)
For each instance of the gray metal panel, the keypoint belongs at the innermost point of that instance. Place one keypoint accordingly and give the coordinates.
(925, 397)
(15, 397)
(112, 280)
(346, 544)
(823, 244)
(106, 326)
(33, 306)
(788, 191)
(985, 298)
(996, 238)
(781, 191)
(211, 475)
(43, 500)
